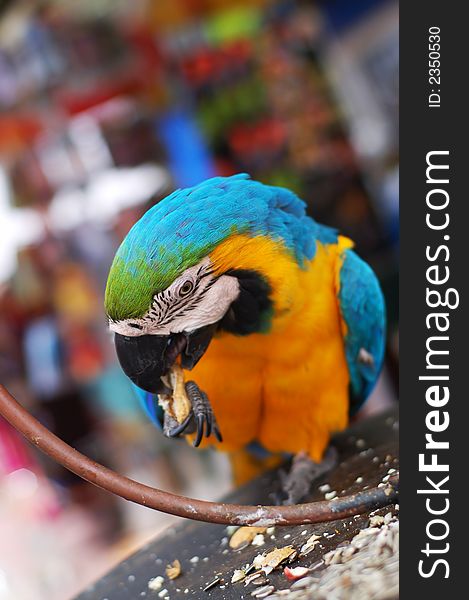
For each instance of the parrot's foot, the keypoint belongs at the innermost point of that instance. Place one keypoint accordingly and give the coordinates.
(200, 419)
(296, 484)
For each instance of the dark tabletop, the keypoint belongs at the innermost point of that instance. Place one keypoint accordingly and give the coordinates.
(367, 451)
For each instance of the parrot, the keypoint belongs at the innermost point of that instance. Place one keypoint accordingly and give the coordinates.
(279, 322)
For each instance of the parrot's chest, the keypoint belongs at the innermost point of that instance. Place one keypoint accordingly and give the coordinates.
(272, 388)
(288, 388)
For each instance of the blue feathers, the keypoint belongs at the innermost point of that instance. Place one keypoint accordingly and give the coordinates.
(189, 223)
(362, 308)
(149, 403)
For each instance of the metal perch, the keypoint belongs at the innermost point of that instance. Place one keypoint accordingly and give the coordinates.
(181, 506)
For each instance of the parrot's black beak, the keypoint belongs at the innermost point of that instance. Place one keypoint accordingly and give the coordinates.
(143, 359)
(147, 358)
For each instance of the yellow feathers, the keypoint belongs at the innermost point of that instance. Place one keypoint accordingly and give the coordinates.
(262, 254)
(287, 388)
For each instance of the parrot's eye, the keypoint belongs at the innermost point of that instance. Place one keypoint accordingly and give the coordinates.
(186, 288)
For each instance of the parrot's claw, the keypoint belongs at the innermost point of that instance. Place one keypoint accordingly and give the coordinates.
(171, 427)
(296, 484)
(202, 413)
(200, 419)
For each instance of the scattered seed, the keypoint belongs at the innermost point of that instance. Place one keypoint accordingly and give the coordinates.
(258, 540)
(263, 592)
(252, 577)
(156, 583)
(310, 544)
(296, 573)
(244, 536)
(324, 488)
(238, 575)
(273, 559)
(330, 495)
(174, 569)
(212, 584)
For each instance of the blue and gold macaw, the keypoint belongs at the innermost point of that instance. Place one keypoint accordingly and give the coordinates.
(281, 324)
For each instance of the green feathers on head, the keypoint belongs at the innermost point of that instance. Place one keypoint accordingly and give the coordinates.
(128, 291)
(135, 277)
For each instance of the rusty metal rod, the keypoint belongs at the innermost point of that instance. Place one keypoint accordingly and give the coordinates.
(181, 506)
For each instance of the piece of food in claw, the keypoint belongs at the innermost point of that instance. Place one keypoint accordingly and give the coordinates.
(177, 404)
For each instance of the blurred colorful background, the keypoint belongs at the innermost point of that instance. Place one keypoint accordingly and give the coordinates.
(105, 107)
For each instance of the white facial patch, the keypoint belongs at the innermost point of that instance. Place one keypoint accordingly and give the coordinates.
(195, 299)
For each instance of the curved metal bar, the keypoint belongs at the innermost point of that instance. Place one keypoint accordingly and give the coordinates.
(181, 506)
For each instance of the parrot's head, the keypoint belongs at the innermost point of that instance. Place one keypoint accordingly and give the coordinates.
(198, 262)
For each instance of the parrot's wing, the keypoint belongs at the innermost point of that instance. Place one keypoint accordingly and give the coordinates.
(149, 403)
(363, 312)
